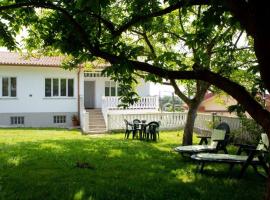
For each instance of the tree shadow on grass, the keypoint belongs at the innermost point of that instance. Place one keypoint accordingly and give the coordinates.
(122, 169)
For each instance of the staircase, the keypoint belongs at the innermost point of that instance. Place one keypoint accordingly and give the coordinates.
(96, 121)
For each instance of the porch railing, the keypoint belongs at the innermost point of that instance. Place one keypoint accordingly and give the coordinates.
(111, 103)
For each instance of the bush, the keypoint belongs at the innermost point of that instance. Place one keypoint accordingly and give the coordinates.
(249, 133)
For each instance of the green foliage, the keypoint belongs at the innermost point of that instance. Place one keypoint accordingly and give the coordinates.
(6, 37)
(123, 74)
(191, 38)
(250, 132)
(167, 103)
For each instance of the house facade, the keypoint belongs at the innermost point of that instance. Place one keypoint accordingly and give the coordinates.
(37, 92)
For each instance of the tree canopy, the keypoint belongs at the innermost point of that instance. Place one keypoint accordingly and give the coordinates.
(154, 37)
(138, 36)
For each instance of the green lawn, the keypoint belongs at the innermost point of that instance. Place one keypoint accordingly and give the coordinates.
(40, 164)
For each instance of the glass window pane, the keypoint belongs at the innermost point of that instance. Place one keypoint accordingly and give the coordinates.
(113, 84)
(70, 87)
(48, 83)
(63, 87)
(107, 91)
(113, 91)
(4, 87)
(13, 87)
(107, 83)
(55, 87)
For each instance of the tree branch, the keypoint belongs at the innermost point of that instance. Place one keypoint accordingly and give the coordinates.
(179, 92)
(146, 39)
(237, 91)
(139, 18)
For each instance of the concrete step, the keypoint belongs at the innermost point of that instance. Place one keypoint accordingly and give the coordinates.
(97, 127)
(97, 131)
(96, 117)
(96, 122)
(94, 112)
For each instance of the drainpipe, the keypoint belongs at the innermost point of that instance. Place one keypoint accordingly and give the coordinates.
(79, 99)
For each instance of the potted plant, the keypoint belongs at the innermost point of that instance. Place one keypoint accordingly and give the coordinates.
(75, 120)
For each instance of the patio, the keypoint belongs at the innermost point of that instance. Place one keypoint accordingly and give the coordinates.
(41, 164)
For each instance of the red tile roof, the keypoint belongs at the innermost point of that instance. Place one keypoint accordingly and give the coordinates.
(208, 95)
(12, 58)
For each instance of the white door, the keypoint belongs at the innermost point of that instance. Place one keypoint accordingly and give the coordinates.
(89, 94)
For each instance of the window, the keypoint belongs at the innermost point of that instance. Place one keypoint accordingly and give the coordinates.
(112, 89)
(9, 87)
(48, 86)
(17, 120)
(55, 87)
(59, 87)
(70, 87)
(63, 87)
(107, 88)
(59, 119)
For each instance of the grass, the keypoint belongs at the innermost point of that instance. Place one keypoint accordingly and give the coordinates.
(41, 164)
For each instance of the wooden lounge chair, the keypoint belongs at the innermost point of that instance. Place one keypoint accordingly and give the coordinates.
(217, 138)
(255, 157)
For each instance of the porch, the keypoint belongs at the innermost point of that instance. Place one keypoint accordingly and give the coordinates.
(96, 120)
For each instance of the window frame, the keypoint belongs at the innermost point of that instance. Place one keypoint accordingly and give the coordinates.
(9, 87)
(115, 86)
(59, 119)
(17, 120)
(59, 81)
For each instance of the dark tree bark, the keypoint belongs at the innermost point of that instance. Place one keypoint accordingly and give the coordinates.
(189, 127)
(193, 104)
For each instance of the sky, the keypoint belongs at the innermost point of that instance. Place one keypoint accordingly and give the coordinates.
(161, 90)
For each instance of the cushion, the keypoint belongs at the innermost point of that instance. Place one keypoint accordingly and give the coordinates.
(221, 157)
(194, 148)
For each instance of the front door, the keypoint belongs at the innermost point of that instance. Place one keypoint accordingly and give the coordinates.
(89, 94)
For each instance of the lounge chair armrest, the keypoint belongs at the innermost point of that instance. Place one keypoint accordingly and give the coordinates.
(218, 140)
(245, 148)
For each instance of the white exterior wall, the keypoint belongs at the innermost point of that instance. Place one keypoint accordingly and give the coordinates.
(143, 88)
(31, 90)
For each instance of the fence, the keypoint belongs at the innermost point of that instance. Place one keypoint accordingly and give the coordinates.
(168, 121)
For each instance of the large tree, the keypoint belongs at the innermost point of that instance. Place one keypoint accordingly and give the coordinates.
(91, 29)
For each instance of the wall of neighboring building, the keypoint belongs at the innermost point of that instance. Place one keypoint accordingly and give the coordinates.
(217, 103)
(31, 101)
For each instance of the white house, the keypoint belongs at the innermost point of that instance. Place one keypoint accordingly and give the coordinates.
(37, 92)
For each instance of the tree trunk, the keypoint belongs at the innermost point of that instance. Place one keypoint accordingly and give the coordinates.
(188, 131)
(267, 196)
